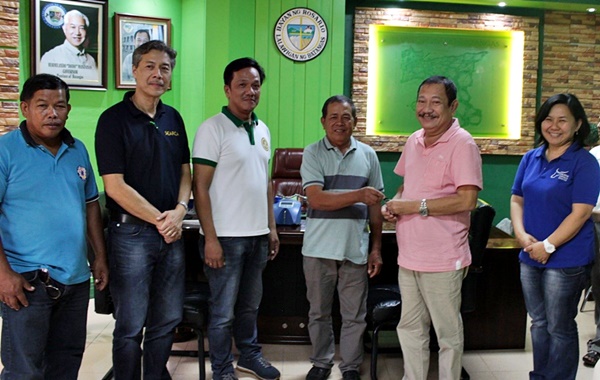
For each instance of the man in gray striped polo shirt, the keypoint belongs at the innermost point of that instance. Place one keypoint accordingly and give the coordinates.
(342, 180)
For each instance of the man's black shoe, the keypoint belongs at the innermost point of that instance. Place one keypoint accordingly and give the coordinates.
(351, 375)
(318, 373)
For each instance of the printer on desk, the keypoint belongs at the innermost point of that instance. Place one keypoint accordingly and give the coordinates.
(288, 212)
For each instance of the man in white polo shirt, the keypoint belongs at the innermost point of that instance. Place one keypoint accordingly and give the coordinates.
(234, 202)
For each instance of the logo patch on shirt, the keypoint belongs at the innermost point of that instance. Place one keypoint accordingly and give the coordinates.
(562, 175)
(171, 133)
(82, 172)
(264, 144)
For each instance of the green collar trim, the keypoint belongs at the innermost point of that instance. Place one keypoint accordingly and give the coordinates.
(247, 125)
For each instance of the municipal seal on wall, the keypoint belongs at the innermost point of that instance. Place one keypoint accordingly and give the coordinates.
(300, 34)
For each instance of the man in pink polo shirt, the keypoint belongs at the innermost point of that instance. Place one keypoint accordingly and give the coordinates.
(441, 166)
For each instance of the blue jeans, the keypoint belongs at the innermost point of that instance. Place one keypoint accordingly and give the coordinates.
(147, 286)
(551, 297)
(46, 339)
(236, 291)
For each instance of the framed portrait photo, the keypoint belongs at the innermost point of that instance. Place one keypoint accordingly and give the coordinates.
(130, 32)
(69, 41)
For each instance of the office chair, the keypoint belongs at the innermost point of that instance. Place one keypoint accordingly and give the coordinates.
(195, 316)
(195, 308)
(384, 302)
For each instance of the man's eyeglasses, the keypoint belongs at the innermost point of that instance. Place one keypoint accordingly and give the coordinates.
(52, 291)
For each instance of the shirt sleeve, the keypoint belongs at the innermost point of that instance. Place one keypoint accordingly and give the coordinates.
(466, 164)
(517, 187)
(185, 148)
(400, 168)
(4, 164)
(109, 144)
(375, 176)
(91, 188)
(586, 180)
(207, 144)
(310, 170)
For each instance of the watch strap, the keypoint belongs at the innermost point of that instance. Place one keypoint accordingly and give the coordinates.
(184, 204)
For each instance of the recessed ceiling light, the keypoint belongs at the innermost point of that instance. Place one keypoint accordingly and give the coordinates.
(502, 4)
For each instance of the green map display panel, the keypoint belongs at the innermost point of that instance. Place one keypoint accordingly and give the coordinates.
(487, 67)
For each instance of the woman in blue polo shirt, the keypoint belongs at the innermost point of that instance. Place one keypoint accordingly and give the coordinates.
(555, 190)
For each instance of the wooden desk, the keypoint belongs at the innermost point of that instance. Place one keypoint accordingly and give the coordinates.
(498, 322)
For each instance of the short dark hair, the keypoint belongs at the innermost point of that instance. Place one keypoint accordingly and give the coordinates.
(577, 111)
(239, 64)
(449, 85)
(146, 47)
(42, 82)
(142, 31)
(338, 99)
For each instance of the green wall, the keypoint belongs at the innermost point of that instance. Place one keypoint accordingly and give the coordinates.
(293, 93)
(88, 105)
(210, 33)
(207, 35)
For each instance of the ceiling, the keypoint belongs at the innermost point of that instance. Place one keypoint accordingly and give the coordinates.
(560, 5)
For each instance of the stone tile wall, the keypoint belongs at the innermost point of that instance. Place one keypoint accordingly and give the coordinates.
(571, 63)
(9, 65)
(572, 58)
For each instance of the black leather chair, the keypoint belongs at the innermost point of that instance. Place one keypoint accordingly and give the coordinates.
(384, 302)
(195, 307)
(384, 306)
(195, 317)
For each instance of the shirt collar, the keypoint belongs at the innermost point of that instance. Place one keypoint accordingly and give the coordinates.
(445, 137)
(239, 122)
(330, 146)
(73, 49)
(65, 135)
(135, 111)
(567, 155)
(247, 125)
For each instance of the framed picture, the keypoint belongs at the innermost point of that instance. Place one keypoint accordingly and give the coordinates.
(130, 32)
(69, 41)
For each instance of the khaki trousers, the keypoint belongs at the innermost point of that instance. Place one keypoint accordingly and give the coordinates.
(429, 297)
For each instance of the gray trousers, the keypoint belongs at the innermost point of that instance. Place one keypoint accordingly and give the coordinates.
(322, 275)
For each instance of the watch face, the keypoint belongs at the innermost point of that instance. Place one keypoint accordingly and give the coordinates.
(549, 247)
(423, 208)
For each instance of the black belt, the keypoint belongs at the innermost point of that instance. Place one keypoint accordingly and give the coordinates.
(126, 218)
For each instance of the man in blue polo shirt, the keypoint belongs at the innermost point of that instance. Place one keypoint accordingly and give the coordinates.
(144, 160)
(49, 202)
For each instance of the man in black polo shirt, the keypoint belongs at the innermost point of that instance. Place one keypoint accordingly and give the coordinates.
(143, 158)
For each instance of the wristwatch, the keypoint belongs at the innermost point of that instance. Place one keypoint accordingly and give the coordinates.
(549, 247)
(184, 204)
(423, 210)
